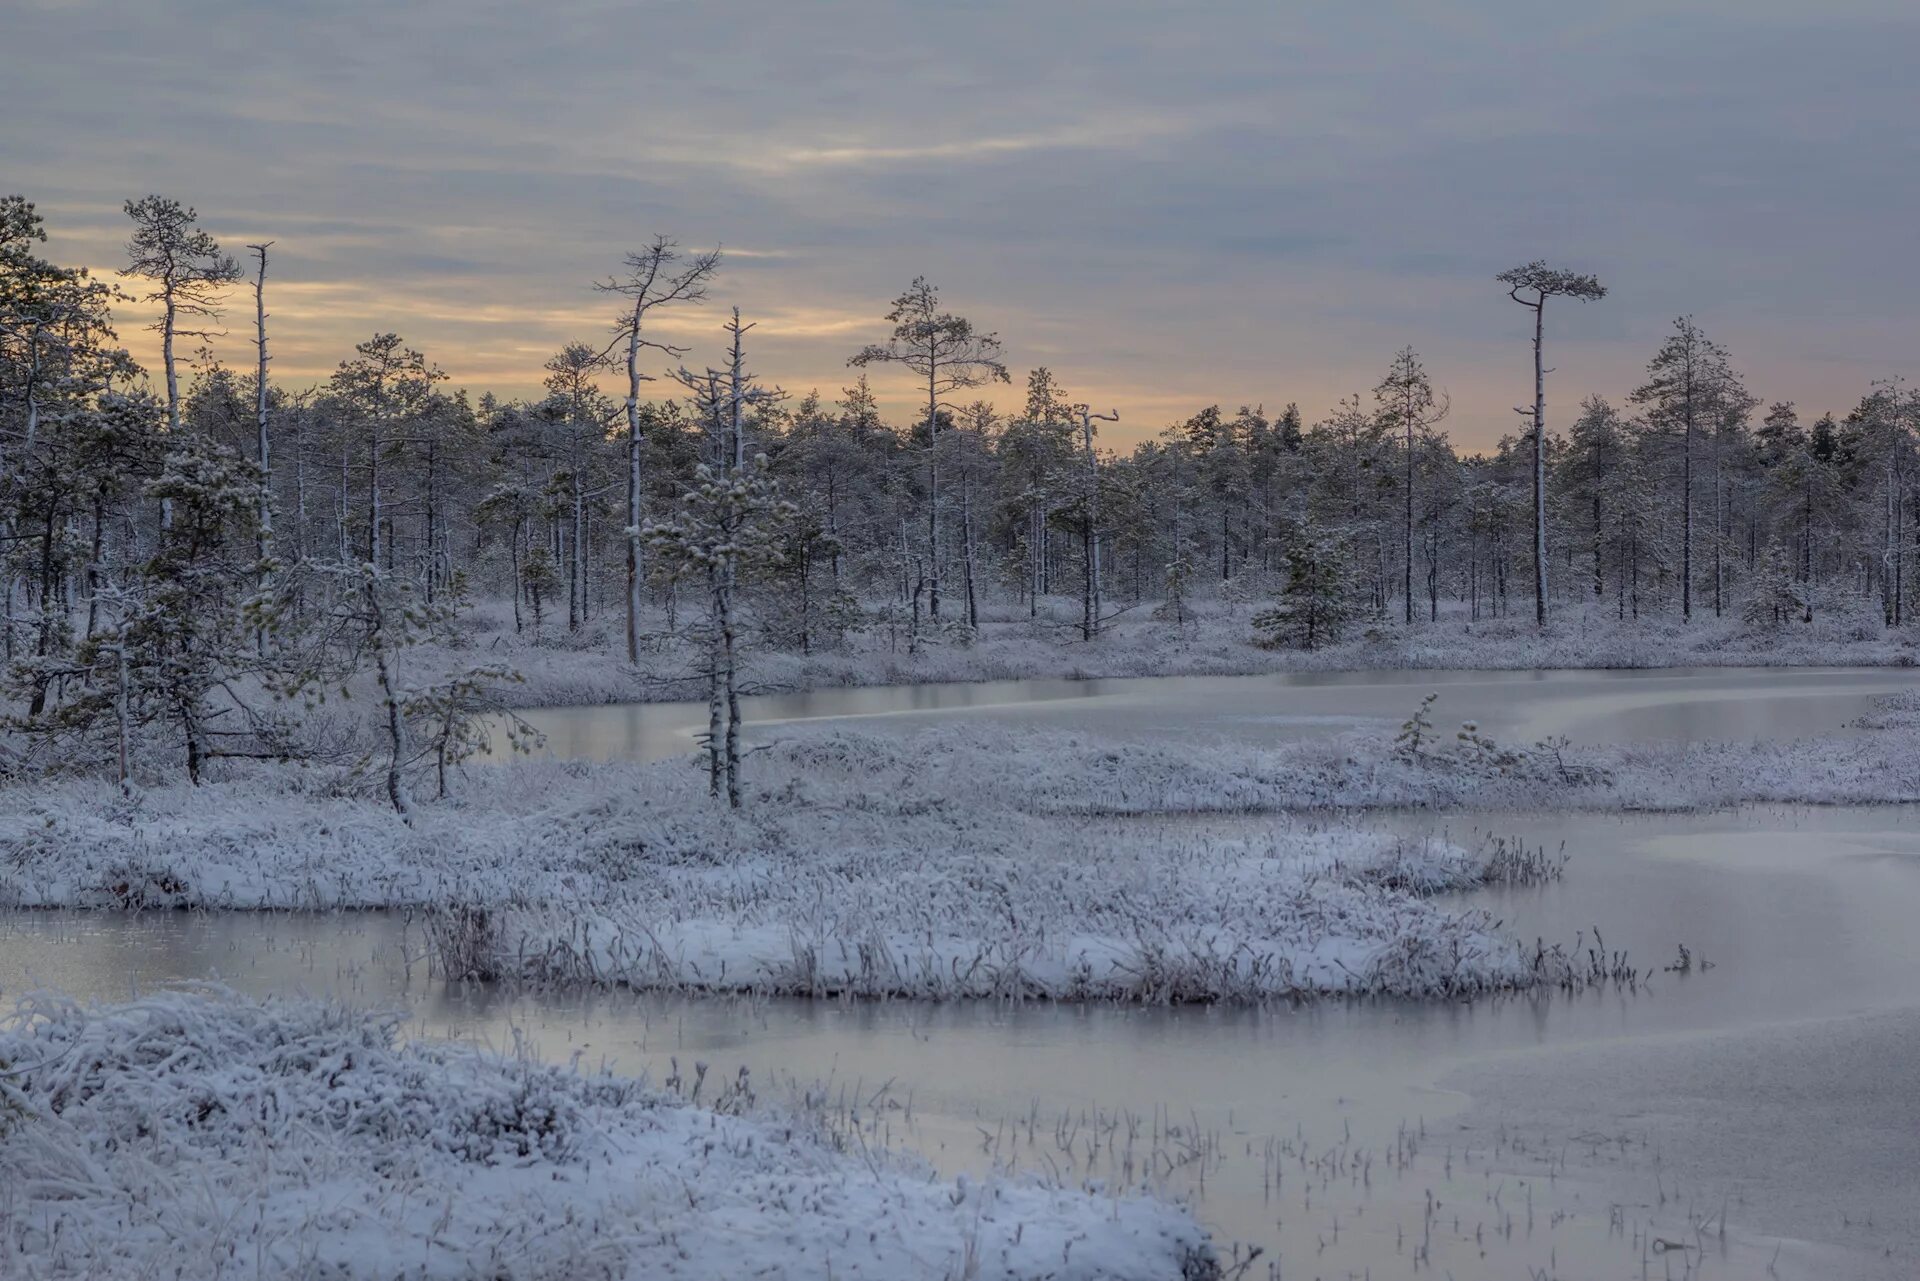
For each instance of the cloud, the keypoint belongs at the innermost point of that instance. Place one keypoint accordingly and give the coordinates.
(1171, 205)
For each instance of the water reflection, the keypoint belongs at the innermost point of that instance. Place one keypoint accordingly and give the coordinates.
(1805, 1031)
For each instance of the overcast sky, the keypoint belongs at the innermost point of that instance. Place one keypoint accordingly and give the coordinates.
(1169, 204)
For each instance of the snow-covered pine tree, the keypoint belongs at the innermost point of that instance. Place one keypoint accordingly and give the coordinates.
(181, 639)
(1410, 409)
(728, 523)
(1317, 600)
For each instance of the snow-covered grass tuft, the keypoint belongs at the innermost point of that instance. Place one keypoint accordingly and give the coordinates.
(197, 1134)
(1127, 912)
(1895, 711)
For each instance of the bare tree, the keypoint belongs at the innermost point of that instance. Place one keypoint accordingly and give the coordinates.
(1543, 282)
(655, 277)
(944, 350)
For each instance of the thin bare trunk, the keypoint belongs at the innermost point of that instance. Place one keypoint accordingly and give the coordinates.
(264, 530)
(1539, 467)
(634, 464)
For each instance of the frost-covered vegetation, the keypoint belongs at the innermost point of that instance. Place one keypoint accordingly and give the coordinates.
(968, 861)
(196, 1134)
(823, 882)
(1460, 768)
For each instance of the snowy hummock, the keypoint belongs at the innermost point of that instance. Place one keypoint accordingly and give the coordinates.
(861, 864)
(198, 1134)
(1064, 913)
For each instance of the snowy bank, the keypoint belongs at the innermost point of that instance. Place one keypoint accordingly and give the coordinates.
(201, 1135)
(590, 667)
(1074, 773)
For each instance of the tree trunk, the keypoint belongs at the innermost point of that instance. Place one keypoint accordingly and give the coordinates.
(733, 697)
(933, 486)
(190, 729)
(122, 767)
(390, 701)
(173, 387)
(374, 545)
(1406, 585)
(716, 689)
(1093, 527)
(264, 531)
(635, 565)
(1539, 466)
(966, 544)
(513, 559)
(576, 562)
(96, 562)
(833, 526)
(1686, 519)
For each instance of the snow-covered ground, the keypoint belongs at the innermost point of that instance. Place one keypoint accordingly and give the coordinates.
(198, 1134)
(590, 666)
(967, 860)
(832, 879)
(1068, 773)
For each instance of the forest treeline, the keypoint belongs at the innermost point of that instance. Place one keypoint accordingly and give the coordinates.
(178, 539)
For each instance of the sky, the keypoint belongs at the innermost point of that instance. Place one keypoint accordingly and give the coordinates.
(1170, 205)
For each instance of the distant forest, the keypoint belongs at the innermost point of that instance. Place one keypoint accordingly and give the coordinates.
(178, 536)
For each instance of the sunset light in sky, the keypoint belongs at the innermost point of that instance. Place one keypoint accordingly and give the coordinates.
(1170, 207)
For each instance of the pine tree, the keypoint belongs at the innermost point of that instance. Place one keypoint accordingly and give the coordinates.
(1691, 387)
(1317, 601)
(947, 354)
(728, 522)
(177, 648)
(189, 272)
(1408, 408)
(1543, 282)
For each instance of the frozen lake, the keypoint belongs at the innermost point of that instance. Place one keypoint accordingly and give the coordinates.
(1565, 1134)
